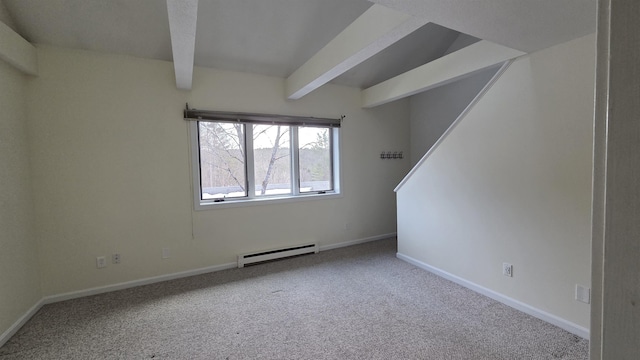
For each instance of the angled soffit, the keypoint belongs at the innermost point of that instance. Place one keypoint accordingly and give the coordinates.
(449, 68)
(426, 44)
(526, 25)
(372, 32)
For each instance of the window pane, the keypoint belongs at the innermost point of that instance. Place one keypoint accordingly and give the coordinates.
(315, 159)
(222, 168)
(272, 159)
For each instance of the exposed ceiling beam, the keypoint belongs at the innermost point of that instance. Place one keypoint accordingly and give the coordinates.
(17, 51)
(183, 15)
(369, 34)
(446, 69)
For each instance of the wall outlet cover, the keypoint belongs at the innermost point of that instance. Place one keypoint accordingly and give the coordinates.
(507, 269)
(583, 294)
(101, 262)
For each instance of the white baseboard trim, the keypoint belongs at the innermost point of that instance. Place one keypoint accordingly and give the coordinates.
(21, 321)
(146, 281)
(104, 289)
(183, 274)
(356, 242)
(525, 308)
(134, 283)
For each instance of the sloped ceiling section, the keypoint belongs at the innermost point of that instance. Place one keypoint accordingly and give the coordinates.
(272, 37)
(526, 25)
(451, 67)
(372, 32)
(279, 37)
(136, 28)
(424, 45)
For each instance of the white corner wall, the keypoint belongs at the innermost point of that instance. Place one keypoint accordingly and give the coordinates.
(512, 183)
(432, 112)
(19, 269)
(111, 169)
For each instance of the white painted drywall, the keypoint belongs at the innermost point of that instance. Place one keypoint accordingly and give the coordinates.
(6, 18)
(463, 40)
(457, 65)
(512, 183)
(17, 51)
(111, 169)
(19, 269)
(376, 29)
(433, 111)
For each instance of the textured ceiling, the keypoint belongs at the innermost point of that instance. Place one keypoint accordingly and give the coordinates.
(275, 37)
(272, 37)
(139, 28)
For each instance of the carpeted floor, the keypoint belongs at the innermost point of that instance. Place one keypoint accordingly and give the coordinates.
(358, 302)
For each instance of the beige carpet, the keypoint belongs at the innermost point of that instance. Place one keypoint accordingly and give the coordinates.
(358, 302)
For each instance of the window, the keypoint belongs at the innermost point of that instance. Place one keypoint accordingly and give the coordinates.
(314, 159)
(236, 162)
(222, 160)
(272, 160)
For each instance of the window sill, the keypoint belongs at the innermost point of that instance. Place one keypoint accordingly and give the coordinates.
(210, 205)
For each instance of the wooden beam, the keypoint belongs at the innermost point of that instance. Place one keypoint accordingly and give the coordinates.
(369, 34)
(446, 69)
(183, 15)
(17, 51)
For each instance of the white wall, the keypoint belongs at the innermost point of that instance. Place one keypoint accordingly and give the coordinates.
(111, 169)
(433, 111)
(19, 269)
(5, 18)
(512, 183)
(463, 40)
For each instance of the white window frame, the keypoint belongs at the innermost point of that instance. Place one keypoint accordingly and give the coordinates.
(251, 198)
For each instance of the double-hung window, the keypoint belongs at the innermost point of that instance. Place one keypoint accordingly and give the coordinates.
(244, 158)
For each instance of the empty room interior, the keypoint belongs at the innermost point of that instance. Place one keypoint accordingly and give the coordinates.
(145, 143)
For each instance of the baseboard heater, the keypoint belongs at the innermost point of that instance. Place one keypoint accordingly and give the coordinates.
(262, 256)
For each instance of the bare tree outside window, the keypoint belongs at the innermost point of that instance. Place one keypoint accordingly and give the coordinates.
(272, 159)
(224, 159)
(222, 154)
(315, 159)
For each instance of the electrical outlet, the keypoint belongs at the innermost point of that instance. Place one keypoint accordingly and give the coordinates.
(583, 294)
(165, 253)
(115, 258)
(101, 262)
(507, 269)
